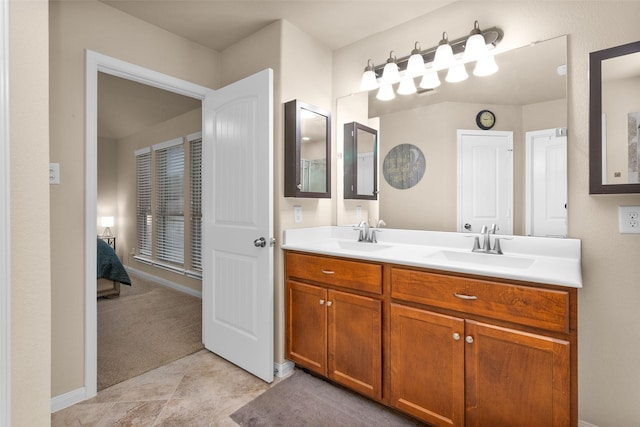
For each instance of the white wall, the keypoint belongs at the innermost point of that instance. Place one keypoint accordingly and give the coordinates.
(609, 349)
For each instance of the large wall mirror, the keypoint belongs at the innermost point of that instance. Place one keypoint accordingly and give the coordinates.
(307, 151)
(614, 120)
(528, 94)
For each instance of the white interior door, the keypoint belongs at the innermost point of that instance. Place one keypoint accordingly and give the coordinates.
(485, 180)
(237, 193)
(546, 183)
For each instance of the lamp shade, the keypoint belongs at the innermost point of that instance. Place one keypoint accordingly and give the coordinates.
(385, 93)
(407, 87)
(485, 66)
(390, 73)
(107, 221)
(475, 48)
(368, 81)
(457, 73)
(415, 65)
(430, 80)
(444, 54)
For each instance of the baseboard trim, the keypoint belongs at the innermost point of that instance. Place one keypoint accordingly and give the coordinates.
(164, 282)
(283, 369)
(585, 424)
(68, 399)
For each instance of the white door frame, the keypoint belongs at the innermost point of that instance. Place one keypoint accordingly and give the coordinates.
(5, 227)
(96, 62)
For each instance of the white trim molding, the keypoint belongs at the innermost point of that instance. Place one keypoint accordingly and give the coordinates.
(97, 62)
(5, 225)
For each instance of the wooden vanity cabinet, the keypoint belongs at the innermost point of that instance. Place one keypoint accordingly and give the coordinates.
(454, 370)
(458, 350)
(333, 332)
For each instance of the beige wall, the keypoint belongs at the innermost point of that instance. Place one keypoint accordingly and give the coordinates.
(608, 354)
(30, 256)
(75, 27)
(107, 183)
(178, 127)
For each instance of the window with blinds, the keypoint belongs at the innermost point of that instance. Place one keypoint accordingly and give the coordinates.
(169, 180)
(143, 201)
(169, 196)
(196, 202)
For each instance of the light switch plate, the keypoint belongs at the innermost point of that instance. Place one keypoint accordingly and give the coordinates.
(629, 219)
(297, 214)
(54, 173)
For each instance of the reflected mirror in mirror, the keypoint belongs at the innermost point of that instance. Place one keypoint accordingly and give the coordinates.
(307, 149)
(615, 119)
(527, 95)
(360, 162)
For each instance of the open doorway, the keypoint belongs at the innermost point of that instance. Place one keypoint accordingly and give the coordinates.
(149, 213)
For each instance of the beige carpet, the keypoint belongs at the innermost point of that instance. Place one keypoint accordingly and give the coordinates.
(147, 326)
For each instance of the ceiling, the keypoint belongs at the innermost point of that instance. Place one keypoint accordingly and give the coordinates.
(219, 24)
(126, 107)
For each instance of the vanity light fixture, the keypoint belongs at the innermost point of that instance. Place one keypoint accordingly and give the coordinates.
(450, 56)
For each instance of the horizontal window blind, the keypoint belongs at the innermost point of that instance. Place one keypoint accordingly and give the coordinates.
(169, 192)
(143, 201)
(196, 203)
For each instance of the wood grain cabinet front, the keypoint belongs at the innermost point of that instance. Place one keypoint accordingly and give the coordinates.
(331, 332)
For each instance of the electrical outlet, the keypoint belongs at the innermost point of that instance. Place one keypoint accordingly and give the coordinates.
(297, 214)
(628, 219)
(358, 212)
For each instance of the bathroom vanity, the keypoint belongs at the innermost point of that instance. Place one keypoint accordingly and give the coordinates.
(420, 323)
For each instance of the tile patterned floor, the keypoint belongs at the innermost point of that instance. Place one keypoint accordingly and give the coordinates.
(200, 390)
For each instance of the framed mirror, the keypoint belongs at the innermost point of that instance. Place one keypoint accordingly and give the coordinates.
(360, 162)
(614, 120)
(307, 151)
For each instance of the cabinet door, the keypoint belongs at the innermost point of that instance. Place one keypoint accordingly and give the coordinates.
(307, 326)
(516, 378)
(355, 342)
(427, 365)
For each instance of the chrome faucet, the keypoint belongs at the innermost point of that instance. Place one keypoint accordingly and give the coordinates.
(364, 232)
(486, 232)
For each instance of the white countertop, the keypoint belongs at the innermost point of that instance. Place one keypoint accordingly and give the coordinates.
(534, 259)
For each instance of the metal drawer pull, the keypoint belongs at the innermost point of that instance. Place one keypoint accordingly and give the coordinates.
(329, 303)
(463, 296)
(328, 271)
(321, 301)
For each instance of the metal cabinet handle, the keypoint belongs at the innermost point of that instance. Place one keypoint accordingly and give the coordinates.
(456, 336)
(328, 271)
(329, 303)
(463, 296)
(321, 301)
(469, 339)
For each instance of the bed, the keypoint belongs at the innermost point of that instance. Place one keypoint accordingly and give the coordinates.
(111, 272)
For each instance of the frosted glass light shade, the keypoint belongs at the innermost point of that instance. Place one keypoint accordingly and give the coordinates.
(475, 48)
(415, 66)
(385, 93)
(485, 66)
(444, 57)
(457, 73)
(368, 81)
(407, 87)
(390, 74)
(430, 80)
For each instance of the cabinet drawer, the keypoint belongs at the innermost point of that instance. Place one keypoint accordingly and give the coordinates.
(347, 274)
(537, 307)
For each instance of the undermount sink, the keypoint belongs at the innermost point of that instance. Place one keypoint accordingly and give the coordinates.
(491, 260)
(361, 246)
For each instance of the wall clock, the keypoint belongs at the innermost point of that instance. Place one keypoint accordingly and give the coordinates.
(485, 119)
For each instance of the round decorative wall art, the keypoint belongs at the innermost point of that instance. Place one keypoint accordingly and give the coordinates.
(403, 166)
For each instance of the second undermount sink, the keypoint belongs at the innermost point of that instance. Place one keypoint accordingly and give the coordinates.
(479, 258)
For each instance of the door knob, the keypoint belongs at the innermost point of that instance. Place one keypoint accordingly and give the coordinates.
(467, 226)
(260, 243)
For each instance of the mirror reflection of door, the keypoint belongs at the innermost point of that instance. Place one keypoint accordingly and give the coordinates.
(485, 180)
(365, 163)
(313, 152)
(546, 183)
